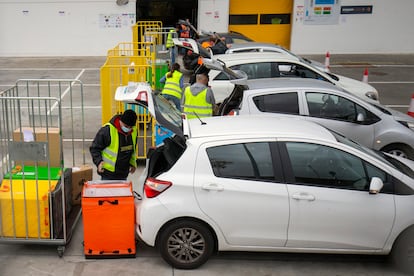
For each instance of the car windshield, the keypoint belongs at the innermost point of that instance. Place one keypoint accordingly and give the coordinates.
(386, 158)
(373, 153)
(381, 108)
(399, 165)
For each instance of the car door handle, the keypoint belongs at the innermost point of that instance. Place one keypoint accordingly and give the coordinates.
(213, 187)
(303, 196)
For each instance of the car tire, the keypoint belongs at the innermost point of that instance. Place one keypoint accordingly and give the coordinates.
(402, 254)
(186, 244)
(400, 150)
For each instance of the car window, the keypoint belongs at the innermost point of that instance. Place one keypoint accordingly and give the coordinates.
(335, 107)
(288, 69)
(324, 166)
(278, 103)
(255, 70)
(331, 106)
(251, 161)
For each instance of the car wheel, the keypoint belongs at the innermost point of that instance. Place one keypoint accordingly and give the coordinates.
(186, 244)
(402, 254)
(400, 150)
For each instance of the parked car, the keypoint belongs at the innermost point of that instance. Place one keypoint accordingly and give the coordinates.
(194, 50)
(366, 122)
(276, 65)
(230, 37)
(256, 183)
(252, 47)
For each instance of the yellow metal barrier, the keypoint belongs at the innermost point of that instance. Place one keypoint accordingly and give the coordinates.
(141, 27)
(134, 61)
(128, 62)
(145, 129)
(124, 65)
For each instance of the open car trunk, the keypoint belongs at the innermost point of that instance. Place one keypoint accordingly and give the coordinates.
(162, 158)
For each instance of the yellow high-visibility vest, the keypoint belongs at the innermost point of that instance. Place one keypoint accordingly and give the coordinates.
(110, 153)
(197, 104)
(169, 43)
(172, 85)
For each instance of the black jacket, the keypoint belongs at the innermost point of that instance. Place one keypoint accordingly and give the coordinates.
(103, 140)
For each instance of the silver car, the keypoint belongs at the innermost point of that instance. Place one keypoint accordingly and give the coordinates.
(366, 122)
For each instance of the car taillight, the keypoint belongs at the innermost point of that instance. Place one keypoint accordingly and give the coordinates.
(233, 112)
(154, 187)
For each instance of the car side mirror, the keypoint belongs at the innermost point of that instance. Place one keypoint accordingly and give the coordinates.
(360, 117)
(375, 185)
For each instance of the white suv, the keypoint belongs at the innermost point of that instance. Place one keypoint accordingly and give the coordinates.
(256, 183)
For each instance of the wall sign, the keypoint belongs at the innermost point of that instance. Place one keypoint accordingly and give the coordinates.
(321, 12)
(356, 9)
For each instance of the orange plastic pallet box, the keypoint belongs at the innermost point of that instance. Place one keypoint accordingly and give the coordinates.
(108, 219)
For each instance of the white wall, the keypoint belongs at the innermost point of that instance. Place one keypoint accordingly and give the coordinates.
(389, 29)
(76, 28)
(213, 15)
(63, 28)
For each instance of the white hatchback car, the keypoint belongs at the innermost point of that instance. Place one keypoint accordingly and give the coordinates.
(253, 47)
(277, 65)
(256, 183)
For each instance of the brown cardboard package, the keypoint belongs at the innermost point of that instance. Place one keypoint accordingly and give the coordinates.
(49, 135)
(79, 176)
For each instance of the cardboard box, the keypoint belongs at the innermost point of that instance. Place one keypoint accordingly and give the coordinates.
(49, 135)
(79, 176)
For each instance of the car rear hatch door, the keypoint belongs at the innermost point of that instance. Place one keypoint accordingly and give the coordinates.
(235, 76)
(193, 45)
(140, 93)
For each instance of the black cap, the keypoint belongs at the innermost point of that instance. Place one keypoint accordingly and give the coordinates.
(129, 117)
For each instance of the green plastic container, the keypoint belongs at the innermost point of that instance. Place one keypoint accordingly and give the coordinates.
(29, 173)
(161, 68)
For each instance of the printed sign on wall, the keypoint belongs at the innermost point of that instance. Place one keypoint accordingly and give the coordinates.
(110, 21)
(322, 12)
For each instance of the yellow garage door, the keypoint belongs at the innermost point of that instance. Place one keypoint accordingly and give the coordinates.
(262, 20)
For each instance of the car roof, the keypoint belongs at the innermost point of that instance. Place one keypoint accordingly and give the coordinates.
(297, 83)
(255, 126)
(253, 56)
(253, 45)
(231, 34)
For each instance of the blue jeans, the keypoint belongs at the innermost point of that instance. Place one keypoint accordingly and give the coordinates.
(173, 99)
(172, 55)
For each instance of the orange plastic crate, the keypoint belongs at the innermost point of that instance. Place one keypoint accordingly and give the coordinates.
(108, 219)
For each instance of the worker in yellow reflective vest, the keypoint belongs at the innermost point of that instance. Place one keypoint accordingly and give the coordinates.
(113, 149)
(169, 43)
(198, 99)
(173, 85)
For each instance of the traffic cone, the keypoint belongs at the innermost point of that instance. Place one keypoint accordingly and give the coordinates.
(327, 60)
(411, 107)
(365, 77)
